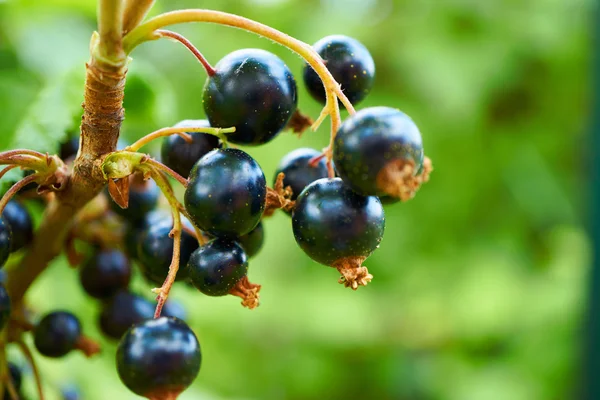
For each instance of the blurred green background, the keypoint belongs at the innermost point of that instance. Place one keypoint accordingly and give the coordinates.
(480, 282)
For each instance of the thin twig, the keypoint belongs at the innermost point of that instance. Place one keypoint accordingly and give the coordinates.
(162, 167)
(15, 189)
(5, 170)
(179, 130)
(135, 11)
(36, 373)
(210, 71)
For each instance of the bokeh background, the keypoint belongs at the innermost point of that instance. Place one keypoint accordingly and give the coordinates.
(480, 282)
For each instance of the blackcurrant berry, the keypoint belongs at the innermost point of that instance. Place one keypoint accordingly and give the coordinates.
(159, 358)
(21, 224)
(298, 172)
(338, 227)
(226, 193)
(215, 268)
(69, 148)
(57, 334)
(105, 273)
(180, 155)
(252, 242)
(254, 91)
(71, 393)
(123, 311)
(349, 62)
(143, 198)
(374, 148)
(5, 241)
(174, 309)
(4, 307)
(155, 251)
(134, 231)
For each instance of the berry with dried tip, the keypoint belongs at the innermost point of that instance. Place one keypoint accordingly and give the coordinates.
(57, 334)
(5, 307)
(253, 241)
(124, 310)
(159, 358)
(180, 155)
(298, 171)
(226, 193)
(21, 224)
(105, 273)
(349, 62)
(255, 92)
(155, 252)
(337, 227)
(379, 151)
(5, 241)
(143, 198)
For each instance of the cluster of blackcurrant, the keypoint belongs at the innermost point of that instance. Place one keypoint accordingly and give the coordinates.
(334, 198)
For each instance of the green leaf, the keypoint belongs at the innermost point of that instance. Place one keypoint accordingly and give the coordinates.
(51, 114)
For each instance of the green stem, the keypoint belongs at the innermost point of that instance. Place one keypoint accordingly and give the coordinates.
(110, 29)
(181, 131)
(135, 11)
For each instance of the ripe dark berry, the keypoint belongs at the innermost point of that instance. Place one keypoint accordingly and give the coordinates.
(174, 309)
(298, 172)
(349, 62)
(134, 231)
(155, 251)
(338, 227)
(123, 311)
(226, 193)
(5, 241)
(377, 150)
(159, 358)
(71, 393)
(215, 268)
(105, 273)
(254, 91)
(143, 198)
(57, 334)
(180, 155)
(21, 225)
(252, 242)
(4, 307)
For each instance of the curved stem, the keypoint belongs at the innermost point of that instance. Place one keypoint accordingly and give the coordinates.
(135, 11)
(5, 170)
(162, 167)
(15, 189)
(181, 131)
(36, 373)
(181, 39)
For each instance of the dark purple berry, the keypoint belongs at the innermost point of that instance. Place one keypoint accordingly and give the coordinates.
(374, 143)
(69, 149)
(123, 311)
(5, 241)
(174, 309)
(252, 242)
(338, 227)
(134, 231)
(298, 172)
(226, 193)
(349, 62)
(105, 273)
(57, 334)
(253, 91)
(155, 252)
(159, 358)
(215, 268)
(143, 198)
(21, 224)
(180, 155)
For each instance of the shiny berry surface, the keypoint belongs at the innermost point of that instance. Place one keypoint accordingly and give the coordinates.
(215, 268)
(122, 311)
(331, 222)
(5, 241)
(349, 62)
(159, 358)
(21, 224)
(105, 273)
(298, 172)
(155, 251)
(371, 139)
(57, 334)
(254, 91)
(180, 155)
(253, 241)
(226, 193)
